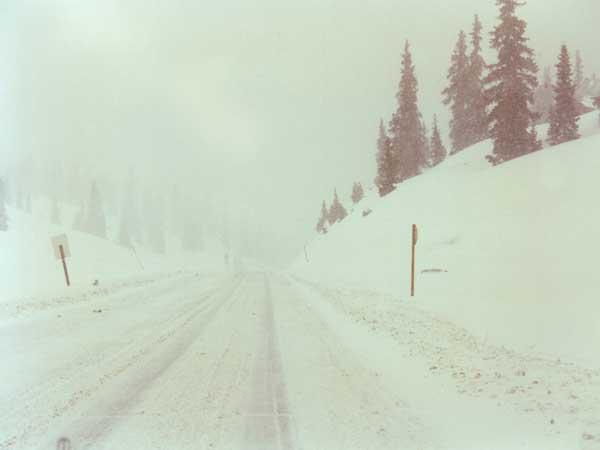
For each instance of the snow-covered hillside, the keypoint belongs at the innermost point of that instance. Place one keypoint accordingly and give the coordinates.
(510, 252)
(29, 267)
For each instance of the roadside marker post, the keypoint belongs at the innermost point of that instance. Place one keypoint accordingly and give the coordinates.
(137, 257)
(64, 263)
(61, 251)
(415, 237)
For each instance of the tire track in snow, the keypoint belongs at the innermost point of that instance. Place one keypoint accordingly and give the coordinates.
(31, 411)
(268, 417)
(100, 353)
(126, 374)
(103, 420)
(197, 403)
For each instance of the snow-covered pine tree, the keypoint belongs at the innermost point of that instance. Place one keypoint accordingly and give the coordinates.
(594, 89)
(322, 222)
(19, 201)
(159, 243)
(438, 151)
(597, 105)
(95, 222)
(160, 239)
(174, 220)
(223, 228)
(582, 85)
(3, 213)
(337, 212)
(79, 220)
(425, 145)
(543, 98)
(154, 222)
(358, 192)
(477, 118)
(124, 238)
(28, 203)
(511, 82)
(386, 164)
(406, 128)
(563, 116)
(579, 77)
(130, 211)
(191, 239)
(8, 197)
(331, 214)
(534, 142)
(456, 95)
(55, 212)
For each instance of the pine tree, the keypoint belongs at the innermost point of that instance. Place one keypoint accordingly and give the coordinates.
(3, 213)
(594, 89)
(55, 213)
(124, 238)
(191, 239)
(322, 222)
(175, 222)
(131, 209)
(406, 128)
(579, 77)
(28, 203)
(477, 118)
(534, 143)
(8, 197)
(456, 95)
(544, 98)
(424, 140)
(95, 222)
(19, 201)
(154, 222)
(597, 105)
(563, 116)
(79, 220)
(386, 165)
(438, 151)
(357, 193)
(511, 82)
(337, 212)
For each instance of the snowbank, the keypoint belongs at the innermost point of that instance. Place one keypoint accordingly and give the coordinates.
(509, 251)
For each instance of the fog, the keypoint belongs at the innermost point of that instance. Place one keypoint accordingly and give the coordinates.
(258, 109)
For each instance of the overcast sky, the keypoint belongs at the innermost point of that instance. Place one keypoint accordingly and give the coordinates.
(270, 103)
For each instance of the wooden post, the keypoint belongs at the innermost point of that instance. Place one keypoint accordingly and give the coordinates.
(64, 263)
(137, 257)
(412, 265)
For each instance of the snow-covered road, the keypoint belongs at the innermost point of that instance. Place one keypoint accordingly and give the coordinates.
(253, 361)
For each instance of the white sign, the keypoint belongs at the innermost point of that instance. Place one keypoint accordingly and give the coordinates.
(57, 242)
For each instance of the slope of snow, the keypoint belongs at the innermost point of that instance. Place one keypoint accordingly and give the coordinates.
(509, 252)
(28, 266)
(463, 392)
